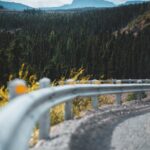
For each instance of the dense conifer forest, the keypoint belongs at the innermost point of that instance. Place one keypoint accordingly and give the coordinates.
(108, 43)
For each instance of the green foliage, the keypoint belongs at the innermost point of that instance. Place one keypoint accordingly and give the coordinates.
(134, 96)
(131, 96)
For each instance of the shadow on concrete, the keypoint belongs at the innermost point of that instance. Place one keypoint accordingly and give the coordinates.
(96, 132)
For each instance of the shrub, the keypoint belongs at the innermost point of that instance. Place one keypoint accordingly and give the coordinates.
(134, 96)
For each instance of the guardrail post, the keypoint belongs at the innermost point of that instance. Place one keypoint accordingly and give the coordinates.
(139, 81)
(44, 121)
(95, 102)
(139, 94)
(118, 81)
(113, 81)
(118, 96)
(16, 88)
(95, 98)
(69, 104)
(147, 80)
(68, 110)
(130, 81)
(118, 99)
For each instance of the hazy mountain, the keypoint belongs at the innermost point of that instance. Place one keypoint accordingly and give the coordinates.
(1, 7)
(85, 4)
(134, 2)
(13, 6)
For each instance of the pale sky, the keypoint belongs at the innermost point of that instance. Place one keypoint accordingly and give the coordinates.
(53, 3)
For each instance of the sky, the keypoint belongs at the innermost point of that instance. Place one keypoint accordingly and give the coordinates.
(53, 3)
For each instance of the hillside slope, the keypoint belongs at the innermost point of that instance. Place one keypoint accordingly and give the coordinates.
(13, 6)
(131, 45)
(139, 24)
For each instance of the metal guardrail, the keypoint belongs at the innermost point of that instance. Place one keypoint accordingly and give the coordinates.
(18, 118)
(113, 81)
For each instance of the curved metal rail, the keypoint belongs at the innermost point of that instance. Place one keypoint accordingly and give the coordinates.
(19, 117)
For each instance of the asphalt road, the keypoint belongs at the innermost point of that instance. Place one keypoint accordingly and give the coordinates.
(112, 128)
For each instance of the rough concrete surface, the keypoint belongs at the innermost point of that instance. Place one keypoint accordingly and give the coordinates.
(124, 127)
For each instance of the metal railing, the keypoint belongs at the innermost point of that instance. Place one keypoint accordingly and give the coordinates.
(18, 118)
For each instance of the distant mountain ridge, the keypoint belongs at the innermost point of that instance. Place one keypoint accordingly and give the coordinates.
(85, 4)
(89, 3)
(14, 6)
(76, 4)
(134, 2)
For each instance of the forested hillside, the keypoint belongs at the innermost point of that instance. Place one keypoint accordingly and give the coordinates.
(53, 43)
